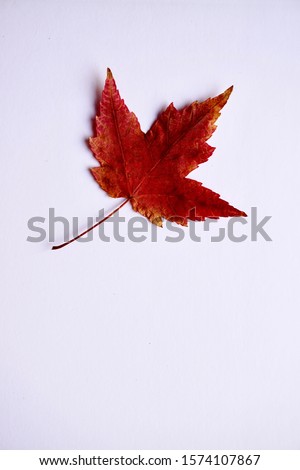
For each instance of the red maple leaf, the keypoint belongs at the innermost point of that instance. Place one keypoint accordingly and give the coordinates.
(149, 170)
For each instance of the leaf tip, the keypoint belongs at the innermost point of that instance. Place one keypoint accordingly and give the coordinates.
(228, 91)
(109, 73)
(240, 213)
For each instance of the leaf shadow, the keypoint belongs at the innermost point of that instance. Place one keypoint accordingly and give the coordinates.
(98, 88)
(97, 92)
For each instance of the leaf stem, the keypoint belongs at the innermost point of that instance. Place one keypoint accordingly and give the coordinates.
(57, 247)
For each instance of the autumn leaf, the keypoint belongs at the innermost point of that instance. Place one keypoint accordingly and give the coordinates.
(149, 170)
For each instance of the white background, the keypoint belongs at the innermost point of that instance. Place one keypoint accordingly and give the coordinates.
(149, 345)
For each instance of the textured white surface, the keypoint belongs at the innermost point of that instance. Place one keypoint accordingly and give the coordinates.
(150, 345)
